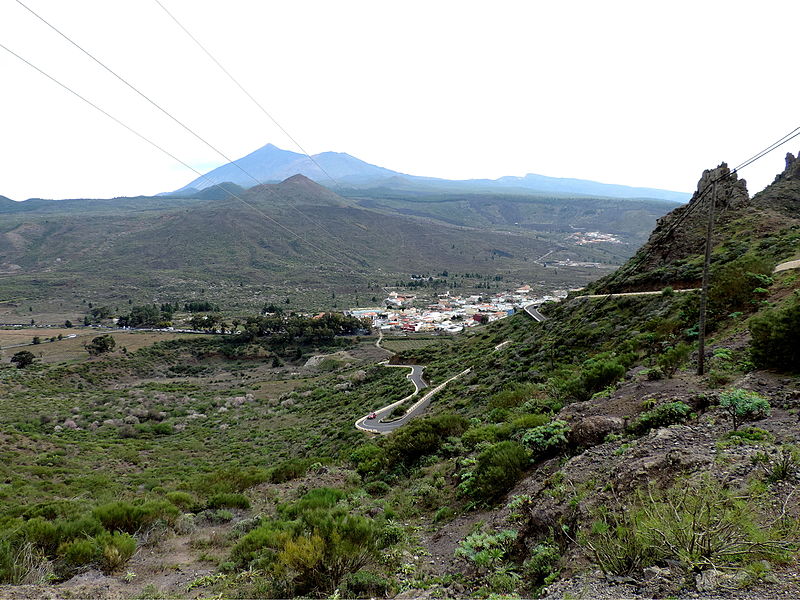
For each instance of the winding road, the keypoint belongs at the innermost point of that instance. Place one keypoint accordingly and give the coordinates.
(419, 407)
(537, 316)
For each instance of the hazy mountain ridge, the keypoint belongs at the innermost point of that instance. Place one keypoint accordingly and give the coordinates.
(340, 170)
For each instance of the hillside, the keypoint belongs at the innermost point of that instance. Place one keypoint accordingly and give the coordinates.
(351, 176)
(297, 239)
(581, 456)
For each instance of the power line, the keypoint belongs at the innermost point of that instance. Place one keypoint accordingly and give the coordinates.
(246, 93)
(158, 147)
(689, 209)
(788, 137)
(168, 114)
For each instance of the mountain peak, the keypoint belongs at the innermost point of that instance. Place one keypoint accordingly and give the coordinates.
(300, 179)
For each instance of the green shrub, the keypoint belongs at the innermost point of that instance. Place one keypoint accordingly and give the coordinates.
(700, 524)
(747, 435)
(444, 514)
(541, 567)
(733, 286)
(377, 488)
(596, 374)
(775, 335)
(743, 405)
(44, 535)
(312, 554)
(182, 500)
(369, 459)
(232, 479)
(289, 470)
(486, 433)
(512, 396)
(364, 584)
(131, 518)
(661, 416)
(672, 359)
(497, 469)
(79, 553)
(116, 549)
(422, 436)
(546, 440)
(529, 421)
(228, 501)
(316, 499)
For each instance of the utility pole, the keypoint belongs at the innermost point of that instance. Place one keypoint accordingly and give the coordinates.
(701, 350)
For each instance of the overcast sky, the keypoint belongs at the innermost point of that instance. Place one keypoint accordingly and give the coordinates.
(636, 93)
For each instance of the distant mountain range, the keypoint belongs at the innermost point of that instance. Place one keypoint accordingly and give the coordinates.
(344, 173)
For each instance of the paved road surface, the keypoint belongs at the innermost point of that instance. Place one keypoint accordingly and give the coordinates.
(635, 293)
(534, 313)
(792, 264)
(375, 426)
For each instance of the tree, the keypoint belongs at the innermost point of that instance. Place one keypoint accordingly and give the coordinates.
(23, 359)
(36, 340)
(100, 345)
(743, 405)
(67, 323)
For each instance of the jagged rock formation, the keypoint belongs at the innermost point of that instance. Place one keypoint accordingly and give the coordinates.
(784, 193)
(680, 234)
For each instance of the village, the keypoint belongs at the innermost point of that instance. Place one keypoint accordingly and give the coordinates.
(449, 313)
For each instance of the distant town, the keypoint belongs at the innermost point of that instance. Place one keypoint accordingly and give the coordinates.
(449, 313)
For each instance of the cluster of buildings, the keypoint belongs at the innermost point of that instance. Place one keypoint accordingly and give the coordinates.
(448, 313)
(581, 238)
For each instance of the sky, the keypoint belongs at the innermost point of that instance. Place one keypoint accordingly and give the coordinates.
(627, 92)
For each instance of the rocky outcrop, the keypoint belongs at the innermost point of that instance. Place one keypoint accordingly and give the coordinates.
(681, 234)
(678, 235)
(783, 195)
(792, 170)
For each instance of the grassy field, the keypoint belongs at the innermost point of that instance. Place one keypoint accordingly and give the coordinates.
(72, 348)
(399, 344)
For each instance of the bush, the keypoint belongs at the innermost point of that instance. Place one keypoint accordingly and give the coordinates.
(117, 549)
(313, 553)
(672, 359)
(369, 459)
(232, 479)
(131, 518)
(316, 499)
(497, 469)
(597, 374)
(421, 437)
(100, 345)
(701, 525)
(364, 584)
(775, 334)
(540, 568)
(546, 440)
(182, 500)
(228, 501)
(377, 488)
(289, 470)
(79, 553)
(733, 286)
(743, 405)
(661, 416)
